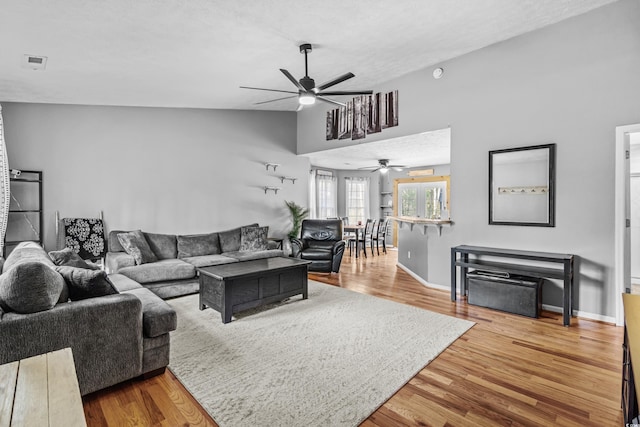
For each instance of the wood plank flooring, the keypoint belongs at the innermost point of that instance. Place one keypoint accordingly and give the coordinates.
(506, 370)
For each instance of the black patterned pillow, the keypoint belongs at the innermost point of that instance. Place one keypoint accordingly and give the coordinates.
(254, 239)
(84, 283)
(68, 257)
(136, 245)
(85, 236)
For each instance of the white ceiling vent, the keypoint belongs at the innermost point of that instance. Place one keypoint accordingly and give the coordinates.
(34, 62)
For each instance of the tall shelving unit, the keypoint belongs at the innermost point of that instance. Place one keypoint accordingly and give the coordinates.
(25, 210)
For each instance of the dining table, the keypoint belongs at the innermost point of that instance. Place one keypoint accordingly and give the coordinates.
(357, 229)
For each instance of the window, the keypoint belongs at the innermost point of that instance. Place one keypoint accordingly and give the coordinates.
(323, 195)
(425, 199)
(357, 199)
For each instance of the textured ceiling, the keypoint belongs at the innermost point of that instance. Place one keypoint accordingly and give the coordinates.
(424, 149)
(195, 53)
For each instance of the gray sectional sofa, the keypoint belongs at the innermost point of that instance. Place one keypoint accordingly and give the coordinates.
(178, 256)
(114, 337)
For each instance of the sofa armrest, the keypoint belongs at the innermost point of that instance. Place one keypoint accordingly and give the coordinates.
(104, 333)
(115, 261)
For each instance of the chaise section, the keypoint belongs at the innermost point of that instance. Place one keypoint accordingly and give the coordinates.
(104, 334)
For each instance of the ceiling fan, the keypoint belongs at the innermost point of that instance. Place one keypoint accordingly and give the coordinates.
(308, 92)
(383, 166)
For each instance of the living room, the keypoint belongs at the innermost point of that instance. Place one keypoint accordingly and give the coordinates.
(198, 164)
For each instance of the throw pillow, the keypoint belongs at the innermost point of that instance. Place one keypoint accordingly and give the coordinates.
(254, 239)
(67, 256)
(84, 283)
(230, 239)
(136, 245)
(30, 287)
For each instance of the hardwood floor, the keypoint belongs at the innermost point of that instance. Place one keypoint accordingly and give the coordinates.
(506, 370)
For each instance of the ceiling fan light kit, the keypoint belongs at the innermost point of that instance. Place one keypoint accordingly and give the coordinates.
(383, 167)
(308, 92)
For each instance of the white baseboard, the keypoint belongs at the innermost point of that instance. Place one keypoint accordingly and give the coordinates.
(421, 280)
(582, 314)
(552, 308)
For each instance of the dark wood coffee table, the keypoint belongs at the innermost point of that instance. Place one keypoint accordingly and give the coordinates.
(231, 288)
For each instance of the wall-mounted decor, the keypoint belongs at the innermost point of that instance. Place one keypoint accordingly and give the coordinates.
(363, 115)
(522, 186)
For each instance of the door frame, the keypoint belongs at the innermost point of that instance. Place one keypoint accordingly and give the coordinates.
(622, 267)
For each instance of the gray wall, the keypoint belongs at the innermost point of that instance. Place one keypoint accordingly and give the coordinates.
(571, 83)
(161, 170)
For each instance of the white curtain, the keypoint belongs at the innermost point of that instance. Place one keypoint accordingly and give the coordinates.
(4, 186)
(326, 196)
(323, 195)
(357, 199)
(312, 195)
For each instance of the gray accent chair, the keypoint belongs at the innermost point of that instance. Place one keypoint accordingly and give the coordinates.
(321, 243)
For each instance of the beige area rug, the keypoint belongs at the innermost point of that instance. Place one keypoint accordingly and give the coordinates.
(331, 360)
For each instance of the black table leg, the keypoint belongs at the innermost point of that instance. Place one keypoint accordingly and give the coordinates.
(567, 303)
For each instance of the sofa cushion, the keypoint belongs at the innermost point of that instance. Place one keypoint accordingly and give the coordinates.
(157, 316)
(166, 269)
(113, 243)
(67, 256)
(135, 244)
(254, 238)
(315, 254)
(230, 239)
(85, 283)
(250, 255)
(123, 283)
(162, 245)
(209, 260)
(198, 244)
(30, 287)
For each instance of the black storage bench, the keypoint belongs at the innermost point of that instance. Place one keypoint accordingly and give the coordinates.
(511, 293)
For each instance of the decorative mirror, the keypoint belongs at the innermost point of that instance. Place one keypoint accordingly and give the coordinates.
(521, 186)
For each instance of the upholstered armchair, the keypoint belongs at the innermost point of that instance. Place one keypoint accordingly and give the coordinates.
(321, 243)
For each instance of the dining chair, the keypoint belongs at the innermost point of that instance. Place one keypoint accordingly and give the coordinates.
(381, 234)
(365, 237)
(348, 236)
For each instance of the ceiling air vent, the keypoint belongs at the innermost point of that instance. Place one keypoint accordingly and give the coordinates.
(34, 62)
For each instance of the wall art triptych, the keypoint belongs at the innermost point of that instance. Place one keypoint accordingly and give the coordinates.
(363, 115)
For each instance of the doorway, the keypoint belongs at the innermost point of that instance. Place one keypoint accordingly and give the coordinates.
(627, 185)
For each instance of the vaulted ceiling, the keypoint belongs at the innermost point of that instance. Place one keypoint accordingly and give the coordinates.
(196, 53)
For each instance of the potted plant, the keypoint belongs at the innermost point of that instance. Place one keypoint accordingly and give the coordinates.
(298, 213)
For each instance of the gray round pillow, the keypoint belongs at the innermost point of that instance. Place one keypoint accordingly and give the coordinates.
(30, 287)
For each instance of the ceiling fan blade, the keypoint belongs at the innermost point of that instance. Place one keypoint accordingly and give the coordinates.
(330, 101)
(335, 81)
(274, 100)
(270, 90)
(293, 79)
(347, 92)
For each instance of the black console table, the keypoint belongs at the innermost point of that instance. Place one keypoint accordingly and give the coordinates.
(460, 258)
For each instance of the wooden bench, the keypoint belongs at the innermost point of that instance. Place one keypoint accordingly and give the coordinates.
(41, 391)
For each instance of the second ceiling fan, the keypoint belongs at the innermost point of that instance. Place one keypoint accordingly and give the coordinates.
(383, 166)
(308, 92)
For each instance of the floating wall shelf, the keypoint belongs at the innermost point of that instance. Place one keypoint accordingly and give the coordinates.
(274, 189)
(272, 165)
(288, 178)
